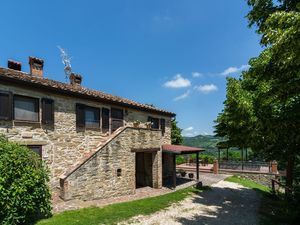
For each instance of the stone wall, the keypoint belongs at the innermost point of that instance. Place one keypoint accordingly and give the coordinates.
(260, 178)
(168, 165)
(63, 144)
(97, 177)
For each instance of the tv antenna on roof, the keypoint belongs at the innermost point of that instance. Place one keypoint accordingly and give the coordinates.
(66, 60)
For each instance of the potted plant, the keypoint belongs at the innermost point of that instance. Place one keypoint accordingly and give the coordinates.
(148, 125)
(136, 123)
(182, 173)
(191, 175)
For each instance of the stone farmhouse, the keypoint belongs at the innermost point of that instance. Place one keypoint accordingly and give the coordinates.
(96, 145)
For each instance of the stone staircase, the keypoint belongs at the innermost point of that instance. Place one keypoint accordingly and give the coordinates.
(96, 174)
(97, 147)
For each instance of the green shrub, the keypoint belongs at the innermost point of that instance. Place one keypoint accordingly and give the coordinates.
(180, 159)
(24, 192)
(207, 159)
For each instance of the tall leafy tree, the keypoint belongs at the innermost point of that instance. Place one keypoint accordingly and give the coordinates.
(176, 137)
(262, 108)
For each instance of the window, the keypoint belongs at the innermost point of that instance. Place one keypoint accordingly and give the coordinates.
(154, 122)
(92, 117)
(116, 118)
(26, 108)
(47, 111)
(163, 126)
(5, 106)
(36, 148)
(88, 117)
(105, 120)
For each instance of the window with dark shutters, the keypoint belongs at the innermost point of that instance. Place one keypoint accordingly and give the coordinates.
(163, 126)
(5, 106)
(47, 111)
(80, 114)
(87, 116)
(116, 118)
(105, 120)
(26, 108)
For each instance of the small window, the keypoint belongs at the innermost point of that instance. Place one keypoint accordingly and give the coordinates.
(87, 116)
(105, 120)
(26, 108)
(154, 122)
(47, 111)
(36, 148)
(5, 106)
(119, 172)
(163, 126)
(117, 118)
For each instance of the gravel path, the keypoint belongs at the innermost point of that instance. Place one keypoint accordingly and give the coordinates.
(226, 203)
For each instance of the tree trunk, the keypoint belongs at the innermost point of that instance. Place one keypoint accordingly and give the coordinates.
(290, 172)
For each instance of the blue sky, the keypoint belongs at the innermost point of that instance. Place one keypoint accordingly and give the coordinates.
(171, 53)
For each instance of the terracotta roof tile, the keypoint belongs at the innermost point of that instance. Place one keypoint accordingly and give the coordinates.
(178, 149)
(25, 78)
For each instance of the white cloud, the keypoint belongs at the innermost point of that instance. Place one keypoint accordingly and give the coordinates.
(183, 96)
(189, 129)
(178, 82)
(231, 70)
(190, 133)
(207, 88)
(197, 74)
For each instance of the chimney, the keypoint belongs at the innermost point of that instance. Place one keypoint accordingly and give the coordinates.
(36, 66)
(75, 79)
(14, 65)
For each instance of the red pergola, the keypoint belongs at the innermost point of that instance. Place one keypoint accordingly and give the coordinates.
(178, 150)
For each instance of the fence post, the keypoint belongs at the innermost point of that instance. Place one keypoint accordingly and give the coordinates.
(273, 186)
(216, 167)
(274, 168)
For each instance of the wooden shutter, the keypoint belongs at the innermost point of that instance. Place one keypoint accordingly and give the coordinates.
(47, 111)
(105, 120)
(5, 106)
(80, 116)
(163, 126)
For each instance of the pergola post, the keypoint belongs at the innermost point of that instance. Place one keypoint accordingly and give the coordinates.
(197, 165)
(174, 171)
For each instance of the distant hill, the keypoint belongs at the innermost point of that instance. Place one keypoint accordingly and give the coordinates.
(208, 142)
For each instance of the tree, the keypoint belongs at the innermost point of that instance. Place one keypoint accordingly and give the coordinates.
(176, 137)
(262, 108)
(24, 192)
(261, 10)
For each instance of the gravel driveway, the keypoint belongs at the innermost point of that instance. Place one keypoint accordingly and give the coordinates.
(226, 203)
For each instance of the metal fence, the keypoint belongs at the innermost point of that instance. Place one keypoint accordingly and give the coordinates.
(249, 166)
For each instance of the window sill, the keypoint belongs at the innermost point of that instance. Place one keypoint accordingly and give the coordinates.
(26, 121)
(93, 128)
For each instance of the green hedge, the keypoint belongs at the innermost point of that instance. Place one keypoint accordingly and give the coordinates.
(24, 192)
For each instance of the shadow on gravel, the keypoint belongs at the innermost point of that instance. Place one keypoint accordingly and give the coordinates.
(225, 206)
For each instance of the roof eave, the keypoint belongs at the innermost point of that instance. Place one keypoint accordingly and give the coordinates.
(81, 95)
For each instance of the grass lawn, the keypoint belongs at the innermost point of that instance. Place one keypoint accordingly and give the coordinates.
(249, 184)
(115, 213)
(274, 210)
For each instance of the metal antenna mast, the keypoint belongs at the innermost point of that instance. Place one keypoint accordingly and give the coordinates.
(66, 60)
